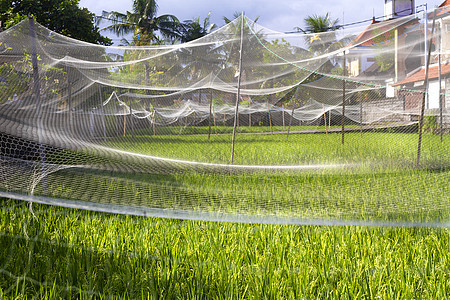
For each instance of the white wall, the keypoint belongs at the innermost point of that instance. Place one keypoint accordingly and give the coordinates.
(433, 94)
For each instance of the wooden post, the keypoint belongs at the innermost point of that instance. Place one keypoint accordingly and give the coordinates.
(292, 113)
(153, 121)
(329, 119)
(249, 115)
(343, 98)
(209, 119)
(124, 122)
(102, 112)
(69, 102)
(325, 118)
(131, 121)
(441, 99)
(361, 113)
(270, 118)
(238, 95)
(37, 95)
(214, 119)
(422, 108)
(117, 120)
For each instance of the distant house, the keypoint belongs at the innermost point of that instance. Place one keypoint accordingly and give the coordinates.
(365, 58)
(416, 78)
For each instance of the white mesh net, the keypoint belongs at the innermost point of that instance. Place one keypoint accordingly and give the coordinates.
(321, 128)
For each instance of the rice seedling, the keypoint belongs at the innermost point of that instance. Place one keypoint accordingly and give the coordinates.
(78, 254)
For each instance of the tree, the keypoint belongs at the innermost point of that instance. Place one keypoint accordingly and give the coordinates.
(61, 16)
(320, 43)
(194, 29)
(143, 22)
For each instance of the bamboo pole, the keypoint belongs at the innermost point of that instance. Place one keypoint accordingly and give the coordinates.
(102, 112)
(124, 123)
(441, 100)
(236, 113)
(270, 118)
(69, 102)
(343, 98)
(131, 121)
(329, 119)
(37, 95)
(325, 118)
(209, 118)
(282, 110)
(214, 119)
(422, 108)
(361, 113)
(249, 114)
(153, 122)
(292, 113)
(117, 120)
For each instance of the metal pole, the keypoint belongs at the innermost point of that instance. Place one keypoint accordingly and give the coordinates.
(37, 95)
(238, 95)
(343, 98)
(422, 108)
(102, 111)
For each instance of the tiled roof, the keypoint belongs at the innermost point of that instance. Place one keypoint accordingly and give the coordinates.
(433, 73)
(442, 11)
(446, 3)
(366, 38)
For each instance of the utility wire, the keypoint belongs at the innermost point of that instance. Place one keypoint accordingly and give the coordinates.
(292, 32)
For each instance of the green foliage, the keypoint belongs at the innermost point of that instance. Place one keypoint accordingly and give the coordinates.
(317, 24)
(430, 124)
(17, 79)
(194, 29)
(144, 23)
(325, 38)
(62, 16)
(384, 43)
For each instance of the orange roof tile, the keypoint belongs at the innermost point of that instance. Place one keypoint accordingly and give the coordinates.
(419, 75)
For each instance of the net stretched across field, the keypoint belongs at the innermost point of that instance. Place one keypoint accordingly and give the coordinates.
(245, 124)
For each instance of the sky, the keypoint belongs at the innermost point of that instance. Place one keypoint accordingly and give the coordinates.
(280, 15)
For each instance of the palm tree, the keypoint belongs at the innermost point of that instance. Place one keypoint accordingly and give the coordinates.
(325, 39)
(143, 22)
(316, 24)
(194, 29)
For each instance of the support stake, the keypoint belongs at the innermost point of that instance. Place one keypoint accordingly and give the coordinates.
(343, 98)
(102, 111)
(422, 108)
(238, 95)
(37, 95)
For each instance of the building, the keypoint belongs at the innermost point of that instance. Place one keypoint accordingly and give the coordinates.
(439, 69)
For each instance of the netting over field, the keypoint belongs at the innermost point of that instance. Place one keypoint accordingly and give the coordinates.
(245, 124)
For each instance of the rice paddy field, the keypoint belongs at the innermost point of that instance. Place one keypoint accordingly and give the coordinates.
(57, 252)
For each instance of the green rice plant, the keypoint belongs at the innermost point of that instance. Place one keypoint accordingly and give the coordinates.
(69, 253)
